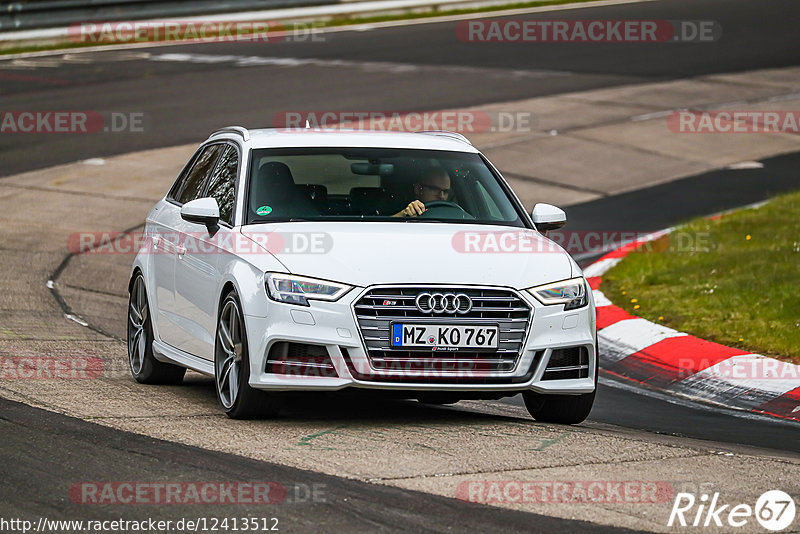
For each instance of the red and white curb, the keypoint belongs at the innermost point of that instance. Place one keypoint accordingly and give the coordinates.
(675, 362)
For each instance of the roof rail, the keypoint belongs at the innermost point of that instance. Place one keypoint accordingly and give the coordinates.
(447, 133)
(234, 130)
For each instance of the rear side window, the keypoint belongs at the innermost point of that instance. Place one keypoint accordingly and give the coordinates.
(222, 185)
(191, 185)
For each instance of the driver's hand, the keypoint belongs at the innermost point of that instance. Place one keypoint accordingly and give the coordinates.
(413, 209)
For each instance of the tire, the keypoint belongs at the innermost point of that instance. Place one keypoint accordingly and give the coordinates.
(563, 409)
(232, 367)
(144, 367)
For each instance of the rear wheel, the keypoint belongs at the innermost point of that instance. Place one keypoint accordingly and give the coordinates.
(232, 367)
(144, 366)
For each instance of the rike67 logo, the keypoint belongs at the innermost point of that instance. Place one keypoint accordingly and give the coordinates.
(774, 510)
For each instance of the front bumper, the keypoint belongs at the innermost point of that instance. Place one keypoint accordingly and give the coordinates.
(333, 325)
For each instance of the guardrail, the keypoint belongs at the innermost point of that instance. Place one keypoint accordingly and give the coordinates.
(31, 14)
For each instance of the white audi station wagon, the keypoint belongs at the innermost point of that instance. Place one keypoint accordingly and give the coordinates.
(318, 260)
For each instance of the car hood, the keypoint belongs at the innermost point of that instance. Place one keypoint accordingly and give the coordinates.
(367, 253)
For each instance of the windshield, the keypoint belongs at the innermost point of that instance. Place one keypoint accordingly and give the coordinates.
(384, 184)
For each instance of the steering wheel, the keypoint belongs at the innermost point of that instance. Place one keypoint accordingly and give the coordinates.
(445, 209)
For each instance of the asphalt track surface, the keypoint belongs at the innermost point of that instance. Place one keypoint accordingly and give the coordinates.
(40, 481)
(183, 100)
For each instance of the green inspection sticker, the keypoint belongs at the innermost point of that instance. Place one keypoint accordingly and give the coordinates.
(264, 210)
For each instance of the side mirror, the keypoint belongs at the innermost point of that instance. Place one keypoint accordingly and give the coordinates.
(546, 217)
(201, 211)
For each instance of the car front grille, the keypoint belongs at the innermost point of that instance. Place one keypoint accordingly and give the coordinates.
(381, 306)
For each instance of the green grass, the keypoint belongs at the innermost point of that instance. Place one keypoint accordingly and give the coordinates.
(734, 280)
(342, 20)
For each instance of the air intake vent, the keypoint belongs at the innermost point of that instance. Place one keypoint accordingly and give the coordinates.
(567, 363)
(300, 359)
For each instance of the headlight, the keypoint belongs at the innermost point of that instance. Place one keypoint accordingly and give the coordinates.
(299, 289)
(571, 293)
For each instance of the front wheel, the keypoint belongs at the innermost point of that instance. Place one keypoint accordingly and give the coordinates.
(232, 367)
(563, 409)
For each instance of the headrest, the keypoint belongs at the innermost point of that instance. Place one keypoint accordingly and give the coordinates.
(276, 175)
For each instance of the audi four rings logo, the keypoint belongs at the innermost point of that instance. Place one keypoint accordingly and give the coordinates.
(443, 303)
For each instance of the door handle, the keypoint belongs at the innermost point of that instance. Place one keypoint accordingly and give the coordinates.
(156, 242)
(180, 250)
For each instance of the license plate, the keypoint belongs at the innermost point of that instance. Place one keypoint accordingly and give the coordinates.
(443, 336)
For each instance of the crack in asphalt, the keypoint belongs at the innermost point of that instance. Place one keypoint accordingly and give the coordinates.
(65, 307)
(540, 468)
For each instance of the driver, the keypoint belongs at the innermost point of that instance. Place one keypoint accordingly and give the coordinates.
(433, 185)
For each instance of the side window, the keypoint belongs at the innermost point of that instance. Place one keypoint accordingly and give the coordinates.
(178, 185)
(222, 185)
(190, 187)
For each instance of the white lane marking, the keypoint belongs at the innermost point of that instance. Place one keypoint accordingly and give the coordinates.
(745, 165)
(76, 58)
(196, 58)
(369, 66)
(648, 116)
(749, 372)
(600, 299)
(76, 319)
(599, 268)
(628, 336)
(35, 63)
(71, 58)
